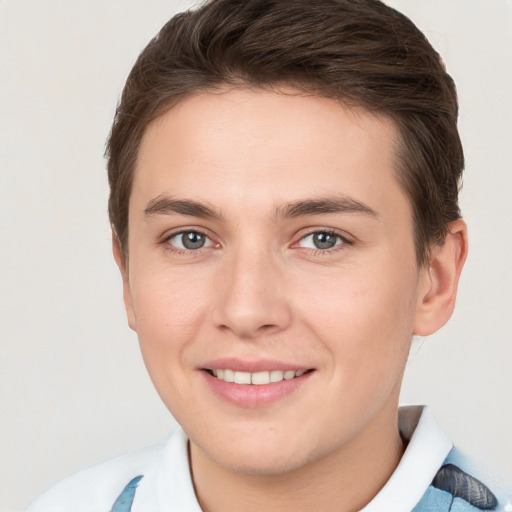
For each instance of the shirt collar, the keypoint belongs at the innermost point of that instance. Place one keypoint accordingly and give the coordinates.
(167, 485)
(170, 486)
(428, 446)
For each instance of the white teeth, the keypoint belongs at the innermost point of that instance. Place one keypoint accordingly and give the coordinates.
(242, 378)
(257, 378)
(276, 376)
(260, 378)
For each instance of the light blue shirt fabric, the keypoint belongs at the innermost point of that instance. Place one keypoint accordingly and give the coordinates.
(435, 500)
(158, 478)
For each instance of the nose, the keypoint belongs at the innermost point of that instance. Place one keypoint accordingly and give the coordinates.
(251, 298)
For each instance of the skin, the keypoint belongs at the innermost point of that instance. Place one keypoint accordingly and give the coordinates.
(260, 289)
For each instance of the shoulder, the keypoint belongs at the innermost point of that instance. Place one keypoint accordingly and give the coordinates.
(435, 476)
(96, 488)
(154, 478)
(459, 487)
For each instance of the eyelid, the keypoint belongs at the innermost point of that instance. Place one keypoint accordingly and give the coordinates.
(338, 239)
(175, 233)
(345, 239)
(211, 242)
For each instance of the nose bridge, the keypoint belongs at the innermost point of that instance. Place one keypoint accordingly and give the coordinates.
(251, 296)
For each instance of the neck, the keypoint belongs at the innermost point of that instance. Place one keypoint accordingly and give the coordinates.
(343, 481)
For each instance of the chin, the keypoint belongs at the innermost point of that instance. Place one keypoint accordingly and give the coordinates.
(261, 464)
(261, 455)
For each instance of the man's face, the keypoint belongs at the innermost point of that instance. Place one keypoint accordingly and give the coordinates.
(268, 234)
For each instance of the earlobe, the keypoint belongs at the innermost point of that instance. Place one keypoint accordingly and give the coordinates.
(122, 264)
(439, 281)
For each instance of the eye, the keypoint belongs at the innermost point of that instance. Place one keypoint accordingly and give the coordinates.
(189, 240)
(322, 240)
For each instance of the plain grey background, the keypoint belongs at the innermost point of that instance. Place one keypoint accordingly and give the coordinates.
(73, 388)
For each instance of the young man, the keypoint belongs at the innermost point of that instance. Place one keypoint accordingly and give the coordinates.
(284, 179)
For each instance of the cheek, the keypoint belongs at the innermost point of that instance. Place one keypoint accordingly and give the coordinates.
(168, 314)
(364, 317)
(168, 299)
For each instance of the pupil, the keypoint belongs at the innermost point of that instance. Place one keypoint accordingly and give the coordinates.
(324, 240)
(193, 240)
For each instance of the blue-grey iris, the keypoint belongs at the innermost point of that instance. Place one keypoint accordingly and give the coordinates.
(193, 240)
(324, 240)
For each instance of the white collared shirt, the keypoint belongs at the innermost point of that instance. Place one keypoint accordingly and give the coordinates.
(167, 483)
(427, 448)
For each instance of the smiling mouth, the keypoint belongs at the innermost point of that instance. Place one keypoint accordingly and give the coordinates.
(256, 378)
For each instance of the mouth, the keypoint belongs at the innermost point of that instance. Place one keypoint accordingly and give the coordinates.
(255, 378)
(255, 383)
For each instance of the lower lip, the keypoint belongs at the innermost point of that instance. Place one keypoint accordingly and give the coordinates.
(251, 395)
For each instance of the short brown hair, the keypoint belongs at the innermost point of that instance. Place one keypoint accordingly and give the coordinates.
(360, 52)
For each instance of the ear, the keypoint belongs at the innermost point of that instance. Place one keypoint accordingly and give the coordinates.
(122, 263)
(439, 280)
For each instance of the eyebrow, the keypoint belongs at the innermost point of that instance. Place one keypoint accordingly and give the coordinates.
(164, 205)
(336, 204)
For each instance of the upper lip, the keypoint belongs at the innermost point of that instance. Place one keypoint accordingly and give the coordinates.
(260, 365)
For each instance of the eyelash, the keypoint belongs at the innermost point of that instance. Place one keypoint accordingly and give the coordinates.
(185, 252)
(329, 251)
(316, 252)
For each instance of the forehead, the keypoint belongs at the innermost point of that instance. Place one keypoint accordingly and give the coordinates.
(237, 147)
